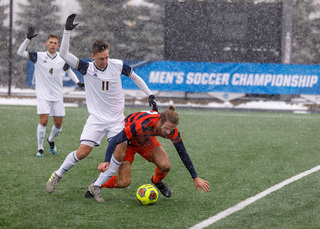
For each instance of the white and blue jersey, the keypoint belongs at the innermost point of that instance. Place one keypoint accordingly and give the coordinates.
(48, 72)
(104, 94)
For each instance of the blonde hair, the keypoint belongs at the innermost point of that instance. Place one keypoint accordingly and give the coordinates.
(170, 114)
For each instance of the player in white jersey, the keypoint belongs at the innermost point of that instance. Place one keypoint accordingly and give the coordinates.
(49, 68)
(104, 98)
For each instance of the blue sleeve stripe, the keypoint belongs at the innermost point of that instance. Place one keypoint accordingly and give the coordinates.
(33, 56)
(126, 70)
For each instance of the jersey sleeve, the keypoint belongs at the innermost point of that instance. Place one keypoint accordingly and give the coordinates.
(82, 67)
(126, 70)
(66, 67)
(33, 56)
(120, 137)
(184, 156)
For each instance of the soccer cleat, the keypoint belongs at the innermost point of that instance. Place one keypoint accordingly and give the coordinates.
(88, 193)
(95, 191)
(40, 153)
(53, 147)
(52, 182)
(164, 189)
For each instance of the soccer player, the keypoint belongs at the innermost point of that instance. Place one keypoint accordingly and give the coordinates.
(48, 72)
(104, 98)
(140, 133)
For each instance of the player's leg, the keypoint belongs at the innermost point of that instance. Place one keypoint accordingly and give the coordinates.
(55, 130)
(91, 136)
(160, 158)
(71, 160)
(117, 157)
(43, 110)
(94, 188)
(58, 112)
(115, 162)
(41, 132)
(123, 179)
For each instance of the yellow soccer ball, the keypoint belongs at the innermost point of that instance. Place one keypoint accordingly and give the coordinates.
(147, 194)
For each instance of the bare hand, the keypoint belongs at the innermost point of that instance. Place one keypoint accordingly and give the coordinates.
(103, 166)
(198, 182)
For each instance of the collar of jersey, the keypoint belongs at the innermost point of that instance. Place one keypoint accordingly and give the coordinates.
(99, 68)
(52, 56)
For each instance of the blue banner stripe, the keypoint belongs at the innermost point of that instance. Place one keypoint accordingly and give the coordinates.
(246, 78)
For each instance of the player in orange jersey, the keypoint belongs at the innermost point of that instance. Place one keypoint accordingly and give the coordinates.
(141, 129)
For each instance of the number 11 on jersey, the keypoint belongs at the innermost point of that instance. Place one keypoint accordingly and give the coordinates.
(105, 86)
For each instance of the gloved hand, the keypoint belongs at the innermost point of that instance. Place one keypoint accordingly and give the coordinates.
(69, 23)
(81, 85)
(152, 103)
(30, 33)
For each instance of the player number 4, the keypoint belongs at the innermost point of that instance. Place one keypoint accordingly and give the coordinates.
(51, 71)
(105, 86)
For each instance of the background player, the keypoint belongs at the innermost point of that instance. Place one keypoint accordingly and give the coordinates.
(48, 72)
(104, 98)
(140, 132)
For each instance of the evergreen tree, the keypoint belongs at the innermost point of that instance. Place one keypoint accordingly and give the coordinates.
(99, 20)
(134, 32)
(4, 52)
(305, 34)
(42, 15)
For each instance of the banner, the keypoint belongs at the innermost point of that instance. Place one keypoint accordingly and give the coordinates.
(246, 78)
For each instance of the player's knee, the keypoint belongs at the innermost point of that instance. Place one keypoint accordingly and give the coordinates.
(120, 152)
(123, 183)
(165, 167)
(82, 154)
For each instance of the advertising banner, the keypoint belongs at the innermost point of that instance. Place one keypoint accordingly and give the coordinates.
(204, 77)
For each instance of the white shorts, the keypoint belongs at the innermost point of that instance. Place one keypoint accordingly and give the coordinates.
(94, 130)
(53, 108)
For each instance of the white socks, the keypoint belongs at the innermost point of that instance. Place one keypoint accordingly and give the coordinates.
(70, 161)
(105, 176)
(54, 133)
(41, 132)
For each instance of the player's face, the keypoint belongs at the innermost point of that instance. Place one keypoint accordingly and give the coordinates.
(101, 59)
(52, 45)
(165, 128)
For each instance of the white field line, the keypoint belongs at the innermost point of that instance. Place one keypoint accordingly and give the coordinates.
(253, 199)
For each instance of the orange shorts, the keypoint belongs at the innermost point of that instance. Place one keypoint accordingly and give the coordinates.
(143, 150)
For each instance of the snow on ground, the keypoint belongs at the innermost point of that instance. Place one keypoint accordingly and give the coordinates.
(26, 97)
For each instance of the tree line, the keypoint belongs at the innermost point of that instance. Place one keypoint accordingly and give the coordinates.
(135, 32)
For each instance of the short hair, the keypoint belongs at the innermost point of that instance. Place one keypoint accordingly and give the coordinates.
(170, 114)
(52, 36)
(99, 46)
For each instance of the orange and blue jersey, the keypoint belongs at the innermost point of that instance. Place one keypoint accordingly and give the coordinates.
(139, 127)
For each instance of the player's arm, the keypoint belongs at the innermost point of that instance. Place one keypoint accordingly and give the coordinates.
(72, 75)
(128, 71)
(23, 47)
(198, 182)
(119, 138)
(184, 156)
(68, 57)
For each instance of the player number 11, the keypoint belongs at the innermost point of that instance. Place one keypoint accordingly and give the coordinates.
(105, 85)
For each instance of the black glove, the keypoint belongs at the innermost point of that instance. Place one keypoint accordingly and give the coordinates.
(31, 34)
(81, 85)
(69, 23)
(152, 103)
